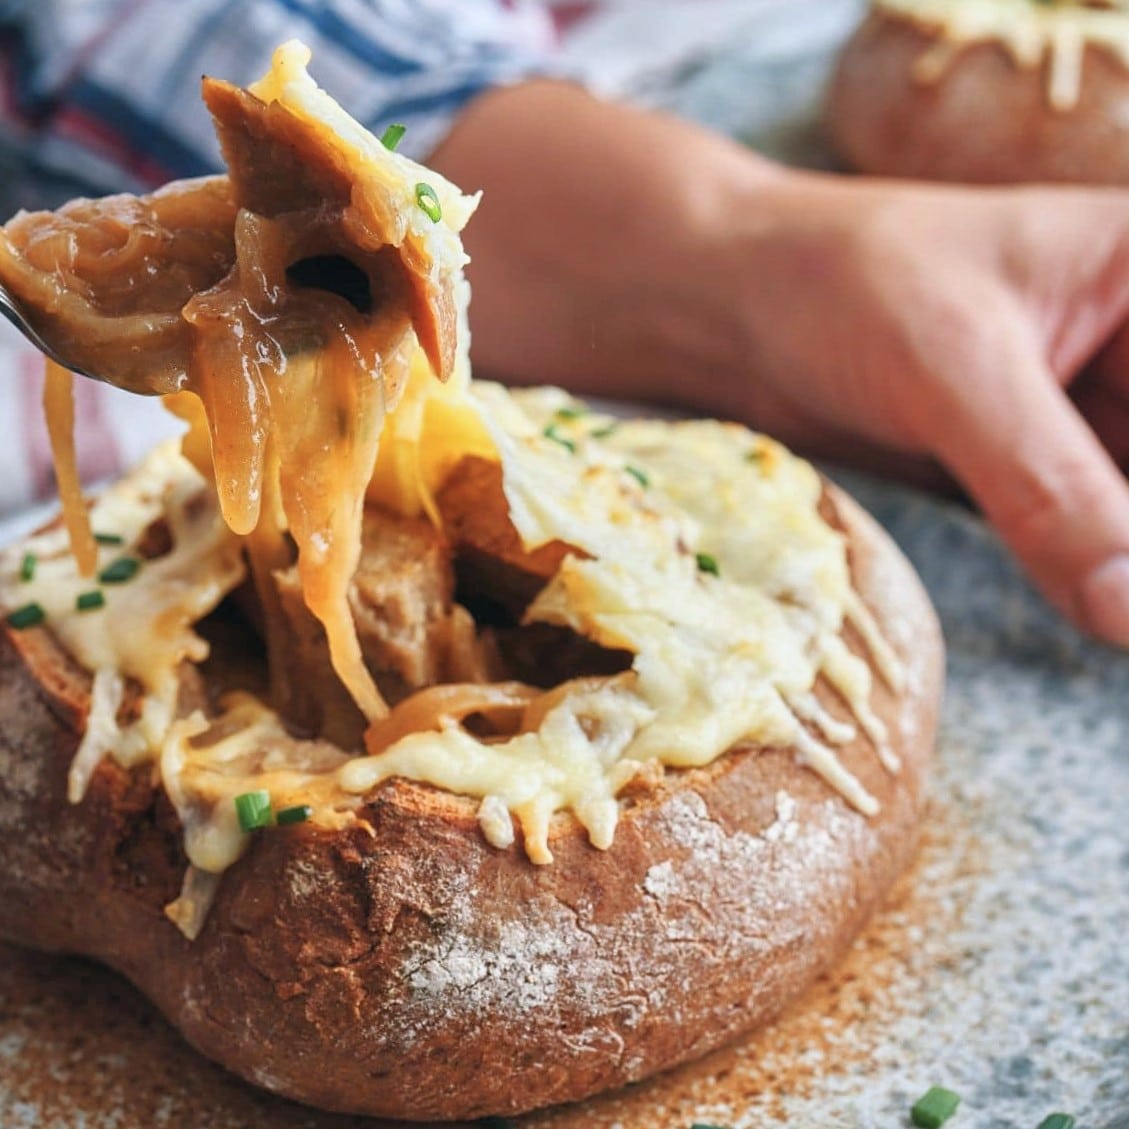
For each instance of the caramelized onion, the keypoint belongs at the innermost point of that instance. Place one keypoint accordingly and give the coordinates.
(105, 280)
(502, 703)
(547, 700)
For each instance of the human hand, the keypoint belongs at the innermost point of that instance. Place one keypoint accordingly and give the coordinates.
(894, 325)
(913, 329)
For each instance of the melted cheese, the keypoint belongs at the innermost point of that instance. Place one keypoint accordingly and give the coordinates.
(719, 660)
(1029, 30)
(145, 628)
(205, 764)
(58, 408)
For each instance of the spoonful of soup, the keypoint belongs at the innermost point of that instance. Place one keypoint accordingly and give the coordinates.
(279, 307)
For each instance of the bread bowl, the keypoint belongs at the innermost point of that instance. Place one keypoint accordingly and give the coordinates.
(986, 91)
(650, 715)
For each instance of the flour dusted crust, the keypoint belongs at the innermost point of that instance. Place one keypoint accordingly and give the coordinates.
(418, 972)
(914, 96)
(576, 748)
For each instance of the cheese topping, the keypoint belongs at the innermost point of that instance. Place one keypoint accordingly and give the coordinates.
(720, 660)
(144, 628)
(1029, 30)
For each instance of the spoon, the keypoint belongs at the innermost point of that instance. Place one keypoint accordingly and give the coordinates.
(10, 309)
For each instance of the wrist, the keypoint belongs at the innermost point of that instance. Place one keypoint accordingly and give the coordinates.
(801, 268)
(755, 248)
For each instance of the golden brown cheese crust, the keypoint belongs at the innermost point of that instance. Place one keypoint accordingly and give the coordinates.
(417, 972)
(984, 119)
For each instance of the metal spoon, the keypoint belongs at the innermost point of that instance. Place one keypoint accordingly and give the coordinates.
(10, 309)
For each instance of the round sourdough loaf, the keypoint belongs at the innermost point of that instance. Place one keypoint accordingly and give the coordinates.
(909, 100)
(417, 972)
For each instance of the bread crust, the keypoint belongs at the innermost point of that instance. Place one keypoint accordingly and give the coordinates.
(418, 972)
(984, 120)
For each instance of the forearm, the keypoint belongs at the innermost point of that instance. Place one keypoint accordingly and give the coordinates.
(599, 240)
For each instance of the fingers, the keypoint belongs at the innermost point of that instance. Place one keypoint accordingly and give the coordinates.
(1045, 481)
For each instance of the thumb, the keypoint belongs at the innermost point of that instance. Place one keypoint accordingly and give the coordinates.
(1043, 478)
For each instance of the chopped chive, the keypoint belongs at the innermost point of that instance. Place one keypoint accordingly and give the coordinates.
(28, 616)
(1057, 1121)
(570, 413)
(123, 569)
(297, 814)
(605, 431)
(88, 601)
(253, 809)
(551, 432)
(429, 202)
(706, 563)
(392, 136)
(704, 1125)
(640, 476)
(27, 566)
(756, 455)
(934, 1107)
(109, 539)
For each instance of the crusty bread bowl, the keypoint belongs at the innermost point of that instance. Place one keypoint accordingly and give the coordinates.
(985, 91)
(423, 749)
(415, 971)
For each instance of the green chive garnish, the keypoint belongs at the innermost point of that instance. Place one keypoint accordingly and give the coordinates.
(27, 566)
(28, 616)
(755, 455)
(934, 1107)
(706, 563)
(109, 539)
(570, 413)
(551, 432)
(123, 569)
(703, 1125)
(297, 814)
(392, 136)
(640, 476)
(1057, 1121)
(605, 431)
(428, 201)
(88, 601)
(253, 809)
